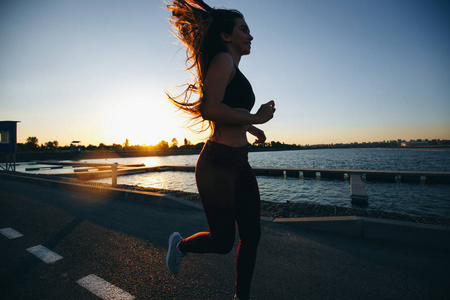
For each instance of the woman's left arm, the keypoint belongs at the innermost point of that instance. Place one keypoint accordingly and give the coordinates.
(258, 133)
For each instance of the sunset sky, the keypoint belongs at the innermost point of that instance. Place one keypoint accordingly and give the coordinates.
(339, 71)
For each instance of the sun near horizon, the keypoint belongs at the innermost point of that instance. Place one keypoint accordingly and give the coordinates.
(97, 71)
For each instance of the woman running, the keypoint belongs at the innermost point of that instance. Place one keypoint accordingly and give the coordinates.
(215, 41)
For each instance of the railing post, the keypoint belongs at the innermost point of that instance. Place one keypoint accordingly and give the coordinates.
(114, 174)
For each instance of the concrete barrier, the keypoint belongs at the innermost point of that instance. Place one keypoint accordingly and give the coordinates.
(407, 232)
(349, 225)
(379, 229)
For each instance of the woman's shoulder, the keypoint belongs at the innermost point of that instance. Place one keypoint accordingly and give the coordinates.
(222, 65)
(223, 59)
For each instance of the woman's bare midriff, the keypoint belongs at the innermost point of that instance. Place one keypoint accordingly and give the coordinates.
(230, 135)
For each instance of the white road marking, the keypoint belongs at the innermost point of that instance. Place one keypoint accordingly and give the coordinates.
(10, 233)
(44, 254)
(103, 289)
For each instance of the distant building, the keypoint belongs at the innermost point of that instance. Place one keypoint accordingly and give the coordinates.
(414, 144)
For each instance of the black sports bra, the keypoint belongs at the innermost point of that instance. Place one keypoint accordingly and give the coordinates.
(239, 92)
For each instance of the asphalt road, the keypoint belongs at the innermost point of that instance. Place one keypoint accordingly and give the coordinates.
(125, 243)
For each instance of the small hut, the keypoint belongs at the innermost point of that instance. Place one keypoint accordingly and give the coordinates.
(75, 147)
(8, 145)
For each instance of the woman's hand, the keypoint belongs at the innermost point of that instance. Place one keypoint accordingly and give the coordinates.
(258, 133)
(265, 112)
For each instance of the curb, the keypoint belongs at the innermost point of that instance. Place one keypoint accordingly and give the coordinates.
(162, 200)
(380, 229)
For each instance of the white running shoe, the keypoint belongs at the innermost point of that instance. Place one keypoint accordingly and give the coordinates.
(174, 256)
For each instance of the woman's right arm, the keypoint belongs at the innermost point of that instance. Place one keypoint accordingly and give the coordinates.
(219, 74)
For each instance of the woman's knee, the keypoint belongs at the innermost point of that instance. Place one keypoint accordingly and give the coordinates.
(251, 239)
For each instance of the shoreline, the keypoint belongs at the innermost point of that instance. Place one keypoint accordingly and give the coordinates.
(295, 209)
(28, 156)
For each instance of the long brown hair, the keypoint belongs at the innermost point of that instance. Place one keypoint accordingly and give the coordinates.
(199, 28)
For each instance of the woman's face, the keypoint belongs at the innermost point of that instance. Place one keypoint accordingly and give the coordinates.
(240, 39)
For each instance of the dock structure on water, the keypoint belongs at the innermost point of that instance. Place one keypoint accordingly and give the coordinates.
(358, 193)
(92, 171)
(368, 175)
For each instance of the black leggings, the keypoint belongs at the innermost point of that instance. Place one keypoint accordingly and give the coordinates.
(229, 194)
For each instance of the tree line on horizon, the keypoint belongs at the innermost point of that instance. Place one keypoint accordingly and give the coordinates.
(32, 144)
